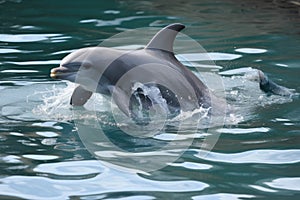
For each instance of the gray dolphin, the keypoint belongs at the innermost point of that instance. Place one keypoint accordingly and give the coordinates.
(113, 72)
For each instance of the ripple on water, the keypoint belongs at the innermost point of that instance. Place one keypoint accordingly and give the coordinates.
(11, 159)
(2, 50)
(9, 51)
(36, 62)
(243, 130)
(115, 12)
(16, 134)
(14, 71)
(285, 183)
(40, 157)
(114, 22)
(223, 196)
(254, 156)
(207, 56)
(192, 165)
(74, 168)
(47, 134)
(251, 50)
(48, 124)
(26, 37)
(261, 188)
(107, 181)
(281, 65)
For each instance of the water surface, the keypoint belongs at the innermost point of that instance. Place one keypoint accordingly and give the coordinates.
(42, 156)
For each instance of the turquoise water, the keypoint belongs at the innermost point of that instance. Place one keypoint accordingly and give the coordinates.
(43, 155)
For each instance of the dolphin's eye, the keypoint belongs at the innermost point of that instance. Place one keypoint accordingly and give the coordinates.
(86, 65)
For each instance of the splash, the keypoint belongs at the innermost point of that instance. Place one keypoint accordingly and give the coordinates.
(241, 88)
(55, 102)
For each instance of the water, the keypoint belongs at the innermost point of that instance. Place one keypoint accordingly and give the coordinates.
(43, 157)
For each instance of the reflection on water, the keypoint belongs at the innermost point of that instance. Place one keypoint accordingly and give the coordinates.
(257, 153)
(26, 37)
(80, 178)
(257, 156)
(285, 183)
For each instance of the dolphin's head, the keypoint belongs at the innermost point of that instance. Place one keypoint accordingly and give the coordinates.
(71, 65)
(83, 66)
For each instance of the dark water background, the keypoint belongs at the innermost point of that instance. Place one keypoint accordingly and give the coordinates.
(43, 158)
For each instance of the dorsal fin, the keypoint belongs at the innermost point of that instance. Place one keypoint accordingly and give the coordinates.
(164, 39)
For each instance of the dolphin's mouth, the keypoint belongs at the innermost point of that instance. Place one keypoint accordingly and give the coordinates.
(61, 73)
(65, 71)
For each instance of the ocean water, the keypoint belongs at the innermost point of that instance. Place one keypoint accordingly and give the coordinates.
(49, 150)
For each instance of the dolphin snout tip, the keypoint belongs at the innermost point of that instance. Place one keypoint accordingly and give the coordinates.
(53, 73)
(58, 71)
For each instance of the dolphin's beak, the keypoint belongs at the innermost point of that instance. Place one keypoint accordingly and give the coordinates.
(65, 71)
(60, 72)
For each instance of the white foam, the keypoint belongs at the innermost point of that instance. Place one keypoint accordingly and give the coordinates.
(55, 102)
(55, 105)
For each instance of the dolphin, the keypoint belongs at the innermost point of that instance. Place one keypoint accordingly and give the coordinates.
(117, 73)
